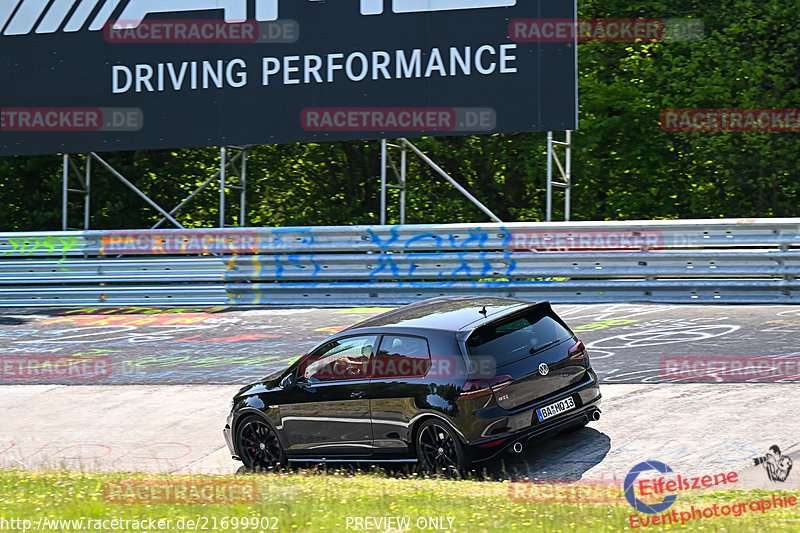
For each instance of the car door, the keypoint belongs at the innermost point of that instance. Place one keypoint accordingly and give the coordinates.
(330, 410)
(399, 387)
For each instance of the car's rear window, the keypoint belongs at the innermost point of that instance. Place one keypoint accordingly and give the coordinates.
(518, 337)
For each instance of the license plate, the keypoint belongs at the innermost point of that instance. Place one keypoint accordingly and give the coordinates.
(555, 408)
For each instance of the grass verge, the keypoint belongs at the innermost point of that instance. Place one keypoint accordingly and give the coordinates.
(319, 501)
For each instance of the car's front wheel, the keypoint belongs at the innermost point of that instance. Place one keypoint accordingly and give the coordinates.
(439, 451)
(258, 446)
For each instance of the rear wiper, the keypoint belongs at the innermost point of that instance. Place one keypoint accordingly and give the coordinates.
(544, 346)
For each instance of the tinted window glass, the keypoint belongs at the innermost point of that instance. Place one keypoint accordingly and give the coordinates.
(517, 338)
(346, 358)
(402, 356)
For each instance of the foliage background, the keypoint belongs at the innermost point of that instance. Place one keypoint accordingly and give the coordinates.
(624, 165)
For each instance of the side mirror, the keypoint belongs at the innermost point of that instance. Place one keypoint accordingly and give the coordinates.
(289, 381)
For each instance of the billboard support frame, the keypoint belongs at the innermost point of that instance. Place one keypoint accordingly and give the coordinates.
(404, 146)
(135, 189)
(386, 157)
(224, 186)
(202, 186)
(565, 171)
(69, 167)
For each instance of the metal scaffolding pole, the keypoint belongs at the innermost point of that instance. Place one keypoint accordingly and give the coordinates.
(549, 209)
(64, 179)
(198, 190)
(565, 171)
(453, 182)
(403, 167)
(222, 170)
(133, 187)
(85, 179)
(568, 176)
(383, 181)
(86, 200)
(68, 164)
(243, 192)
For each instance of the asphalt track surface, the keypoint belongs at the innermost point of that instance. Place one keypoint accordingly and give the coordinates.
(166, 375)
(214, 345)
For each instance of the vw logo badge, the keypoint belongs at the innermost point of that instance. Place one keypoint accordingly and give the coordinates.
(544, 369)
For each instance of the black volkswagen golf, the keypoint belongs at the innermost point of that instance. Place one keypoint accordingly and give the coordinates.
(445, 382)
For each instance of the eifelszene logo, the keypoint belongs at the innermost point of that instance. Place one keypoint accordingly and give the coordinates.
(638, 504)
(53, 15)
(667, 484)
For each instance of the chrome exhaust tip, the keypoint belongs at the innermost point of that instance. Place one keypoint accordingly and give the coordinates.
(516, 447)
(595, 415)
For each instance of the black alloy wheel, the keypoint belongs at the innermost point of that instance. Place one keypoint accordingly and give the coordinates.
(258, 445)
(439, 450)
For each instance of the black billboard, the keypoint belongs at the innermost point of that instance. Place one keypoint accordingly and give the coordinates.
(99, 75)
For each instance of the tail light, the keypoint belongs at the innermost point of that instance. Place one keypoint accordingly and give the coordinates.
(475, 388)
(492, 443)
(578, 351)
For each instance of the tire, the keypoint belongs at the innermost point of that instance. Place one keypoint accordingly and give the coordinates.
(257, 445)
(439, 450)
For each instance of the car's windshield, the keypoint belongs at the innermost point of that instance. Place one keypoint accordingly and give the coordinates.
(518, 337)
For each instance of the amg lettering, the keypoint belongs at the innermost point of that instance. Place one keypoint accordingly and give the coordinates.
(21, 20)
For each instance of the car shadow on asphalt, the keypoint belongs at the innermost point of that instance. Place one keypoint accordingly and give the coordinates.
(563, 457)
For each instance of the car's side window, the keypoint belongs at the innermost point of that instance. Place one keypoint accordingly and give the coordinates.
(402, 356)
(347, 358)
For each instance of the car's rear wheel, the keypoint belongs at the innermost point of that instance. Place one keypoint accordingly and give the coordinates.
(258, 446)
(439, 451)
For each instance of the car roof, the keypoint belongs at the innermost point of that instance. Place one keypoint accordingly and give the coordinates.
(448, 313)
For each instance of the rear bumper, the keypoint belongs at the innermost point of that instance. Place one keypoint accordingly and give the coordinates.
(587, 399)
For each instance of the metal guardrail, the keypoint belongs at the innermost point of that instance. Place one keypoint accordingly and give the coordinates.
(690, 261)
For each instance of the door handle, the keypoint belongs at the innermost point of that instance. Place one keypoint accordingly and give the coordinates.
(358, 395)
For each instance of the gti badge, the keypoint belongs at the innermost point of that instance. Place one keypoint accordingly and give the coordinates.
(544, 369)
